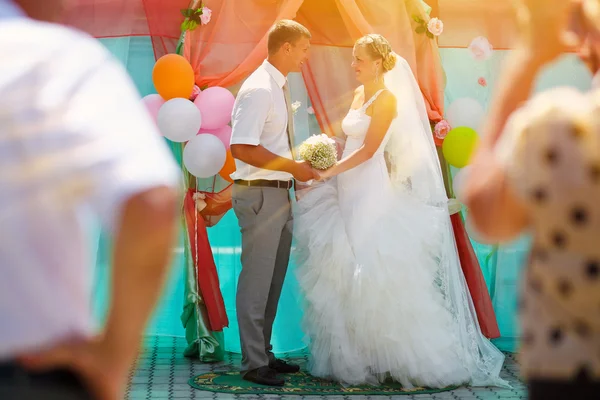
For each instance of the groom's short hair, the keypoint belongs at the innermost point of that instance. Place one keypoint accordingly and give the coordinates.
(285, 31)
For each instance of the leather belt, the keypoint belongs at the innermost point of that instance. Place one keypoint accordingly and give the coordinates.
(287, 185)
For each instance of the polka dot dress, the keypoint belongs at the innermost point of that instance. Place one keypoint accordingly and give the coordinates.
(551, 153)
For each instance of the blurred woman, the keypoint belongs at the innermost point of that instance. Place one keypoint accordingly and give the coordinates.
(538, 169)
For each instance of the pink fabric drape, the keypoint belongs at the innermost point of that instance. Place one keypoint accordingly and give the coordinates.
(235, 42)
(160, 19)
(221, 58)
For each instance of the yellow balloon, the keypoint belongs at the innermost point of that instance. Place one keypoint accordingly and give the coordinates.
(459, 146)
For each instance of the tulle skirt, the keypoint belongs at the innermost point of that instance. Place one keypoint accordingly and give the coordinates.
(368, 265)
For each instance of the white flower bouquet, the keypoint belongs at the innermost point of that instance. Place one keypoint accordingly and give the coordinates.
(320, 151)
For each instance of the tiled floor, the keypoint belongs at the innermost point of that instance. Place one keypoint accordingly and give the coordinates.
(163, 373)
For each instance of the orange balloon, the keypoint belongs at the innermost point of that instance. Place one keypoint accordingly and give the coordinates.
(173, 77)
(228, 168)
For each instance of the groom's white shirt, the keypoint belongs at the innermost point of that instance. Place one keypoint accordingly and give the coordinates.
(260, 117)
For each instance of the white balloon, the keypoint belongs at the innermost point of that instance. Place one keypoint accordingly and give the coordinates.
(179, 120)
(465, 112)
(204, 156)
(458, 182)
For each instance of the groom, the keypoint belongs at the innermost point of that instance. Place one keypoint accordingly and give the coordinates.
(261, 143)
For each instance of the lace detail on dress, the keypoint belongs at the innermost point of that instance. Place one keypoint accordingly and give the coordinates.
(370, 101)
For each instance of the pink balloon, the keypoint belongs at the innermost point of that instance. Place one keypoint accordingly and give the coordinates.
(215, 105)
(223, 133)
(153, 102)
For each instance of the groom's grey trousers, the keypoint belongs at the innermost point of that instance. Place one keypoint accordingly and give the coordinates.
(265, 219)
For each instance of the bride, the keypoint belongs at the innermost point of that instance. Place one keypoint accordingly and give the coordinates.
(386, 298)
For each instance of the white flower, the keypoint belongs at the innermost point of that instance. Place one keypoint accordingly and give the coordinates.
(320, 151)
(435, 26)
(481, 49)
(199, 200)
(310, 110)
(206, 15)
(199, 195)
(295, 106)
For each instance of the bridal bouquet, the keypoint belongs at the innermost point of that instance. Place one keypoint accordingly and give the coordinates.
(320, 151)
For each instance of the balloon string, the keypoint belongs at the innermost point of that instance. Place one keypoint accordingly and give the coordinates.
(214, 184)
(196, 240)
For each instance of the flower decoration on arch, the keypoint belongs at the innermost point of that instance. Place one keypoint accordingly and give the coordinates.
(431, 28)
(195, 17)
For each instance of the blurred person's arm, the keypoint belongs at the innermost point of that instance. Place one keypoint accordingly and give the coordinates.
(143, 246)
(136, 181)
(495, 211)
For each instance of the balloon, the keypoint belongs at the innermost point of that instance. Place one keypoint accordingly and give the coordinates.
(216, 105)
(465, 112)
(179, 120)
(223, 133)
(459, 145)
(458, 182)
(173, 77)
(204, 156)
(228, 168)
(153, 102)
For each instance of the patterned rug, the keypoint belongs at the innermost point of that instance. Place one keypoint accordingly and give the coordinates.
(301, 384)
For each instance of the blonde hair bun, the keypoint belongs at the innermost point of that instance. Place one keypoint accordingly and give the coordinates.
(379, 47)
(389, 62)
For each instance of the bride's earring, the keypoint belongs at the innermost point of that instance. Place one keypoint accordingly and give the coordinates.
(377, 75)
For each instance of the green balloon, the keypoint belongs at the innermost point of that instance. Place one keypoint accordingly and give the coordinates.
(459, 145)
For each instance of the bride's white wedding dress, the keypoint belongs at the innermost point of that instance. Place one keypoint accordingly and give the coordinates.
(381, 278)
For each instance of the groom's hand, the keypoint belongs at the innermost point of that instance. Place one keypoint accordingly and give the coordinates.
(302, 171)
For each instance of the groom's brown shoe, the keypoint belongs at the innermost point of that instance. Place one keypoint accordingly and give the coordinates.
(264, 376)
(284, 367)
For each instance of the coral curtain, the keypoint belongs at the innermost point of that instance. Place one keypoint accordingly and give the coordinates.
(220, 58)
(217, 52)
(160, 19)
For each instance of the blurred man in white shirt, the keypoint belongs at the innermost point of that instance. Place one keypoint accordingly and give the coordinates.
(75, 142)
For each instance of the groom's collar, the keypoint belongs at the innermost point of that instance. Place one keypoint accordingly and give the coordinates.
(275, 73)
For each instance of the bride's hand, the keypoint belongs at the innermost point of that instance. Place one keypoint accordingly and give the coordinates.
(325, 174)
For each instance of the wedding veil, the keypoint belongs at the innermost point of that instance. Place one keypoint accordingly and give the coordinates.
(415, 170)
